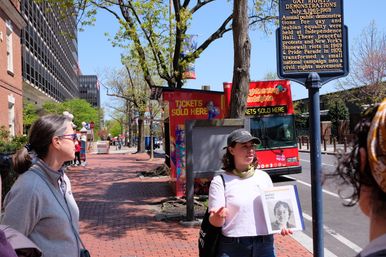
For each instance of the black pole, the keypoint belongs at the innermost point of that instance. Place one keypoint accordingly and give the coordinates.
(313, 84)
(189, 191)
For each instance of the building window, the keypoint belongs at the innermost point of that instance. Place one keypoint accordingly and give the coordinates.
(9, 46)
(11, 115)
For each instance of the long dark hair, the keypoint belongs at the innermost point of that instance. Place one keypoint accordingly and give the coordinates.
(39, 139)
(228, 161)
(348, 171)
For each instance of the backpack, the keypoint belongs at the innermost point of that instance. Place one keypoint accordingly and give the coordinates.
(209, 236)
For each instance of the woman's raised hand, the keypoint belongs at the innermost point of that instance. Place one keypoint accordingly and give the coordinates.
(217, 217)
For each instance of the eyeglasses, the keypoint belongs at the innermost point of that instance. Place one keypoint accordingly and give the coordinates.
(72, 136)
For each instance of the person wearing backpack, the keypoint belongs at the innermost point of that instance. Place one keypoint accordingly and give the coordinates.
(236, 206)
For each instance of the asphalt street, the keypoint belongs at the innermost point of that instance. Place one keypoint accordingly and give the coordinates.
(345, 228)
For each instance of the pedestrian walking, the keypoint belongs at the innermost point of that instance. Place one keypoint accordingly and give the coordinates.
(237, 207)
(364, 169)
(77, 160)
(40, 204)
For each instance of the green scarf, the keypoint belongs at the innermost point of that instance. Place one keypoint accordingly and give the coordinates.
(245, 173)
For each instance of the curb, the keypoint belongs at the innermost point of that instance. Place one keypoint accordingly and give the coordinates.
(323, 152)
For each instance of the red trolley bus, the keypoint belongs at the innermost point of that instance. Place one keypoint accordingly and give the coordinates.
(270, 117)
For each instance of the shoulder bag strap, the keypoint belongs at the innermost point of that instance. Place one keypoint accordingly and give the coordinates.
(68, 216)
(223, 180)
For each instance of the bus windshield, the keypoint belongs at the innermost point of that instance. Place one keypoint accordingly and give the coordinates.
(274, 131)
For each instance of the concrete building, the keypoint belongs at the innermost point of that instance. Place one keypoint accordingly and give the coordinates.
(11, 95)
(89, 89)
(49, 54)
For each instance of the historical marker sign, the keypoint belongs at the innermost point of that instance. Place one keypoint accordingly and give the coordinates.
(312, 38)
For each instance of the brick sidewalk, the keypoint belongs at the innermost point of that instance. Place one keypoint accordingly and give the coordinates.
(118, 208)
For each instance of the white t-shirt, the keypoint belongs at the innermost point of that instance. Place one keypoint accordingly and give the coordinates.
(242, 198)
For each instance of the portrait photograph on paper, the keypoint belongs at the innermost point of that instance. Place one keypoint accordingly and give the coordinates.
(282, 209)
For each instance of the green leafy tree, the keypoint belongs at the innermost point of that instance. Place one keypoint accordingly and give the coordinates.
(30, 114)
(82, 111)
(114, 127)
(50, 107)
(301, 121)
(128, 84)
(80, 108)
(158, 31)
(337, 111)
(8, 145)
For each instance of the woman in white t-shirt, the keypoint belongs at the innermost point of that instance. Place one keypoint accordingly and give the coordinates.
(237, 207)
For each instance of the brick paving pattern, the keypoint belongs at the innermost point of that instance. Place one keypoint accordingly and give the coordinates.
(118, 208)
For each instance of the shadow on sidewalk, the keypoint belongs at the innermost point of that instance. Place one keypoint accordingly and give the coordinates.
(113, 200)
(118, 209)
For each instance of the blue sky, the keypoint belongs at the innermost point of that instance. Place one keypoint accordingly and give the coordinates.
(215, 65)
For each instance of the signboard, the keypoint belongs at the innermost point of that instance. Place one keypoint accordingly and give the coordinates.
(312, 38)
(202, 135)
(189, 46)
(182, 105)
(205, 142)
(253, 111)
(265, 97)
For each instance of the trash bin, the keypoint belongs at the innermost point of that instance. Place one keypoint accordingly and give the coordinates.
(103, 147)
(147, 143)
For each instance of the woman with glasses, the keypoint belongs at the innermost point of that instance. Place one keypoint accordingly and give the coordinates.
(40, 204)
(236, 205)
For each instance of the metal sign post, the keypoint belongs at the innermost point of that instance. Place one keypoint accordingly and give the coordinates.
(312, 49)
(313, 85)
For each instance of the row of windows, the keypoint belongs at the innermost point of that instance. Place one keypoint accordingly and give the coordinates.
(44, 53)
(50, 63)
(88, 92)
(43, 13)
(41, 50)
(93, 85)
(36, 74)
(44, 39)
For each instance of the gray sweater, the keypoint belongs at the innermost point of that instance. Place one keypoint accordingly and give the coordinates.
(31, 208)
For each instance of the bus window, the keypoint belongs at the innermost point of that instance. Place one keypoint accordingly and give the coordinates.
(274, 131)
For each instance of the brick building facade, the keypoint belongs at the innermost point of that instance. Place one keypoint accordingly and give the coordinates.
(11, 95)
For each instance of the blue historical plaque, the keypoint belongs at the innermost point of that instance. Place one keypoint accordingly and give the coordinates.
(312, 38)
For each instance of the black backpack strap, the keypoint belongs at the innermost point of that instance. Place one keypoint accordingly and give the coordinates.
(223, 180)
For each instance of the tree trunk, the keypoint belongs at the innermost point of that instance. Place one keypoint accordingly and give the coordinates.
(151, 131)
(127, 122)
(242, 54)
(130, 127)
(141, 133)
